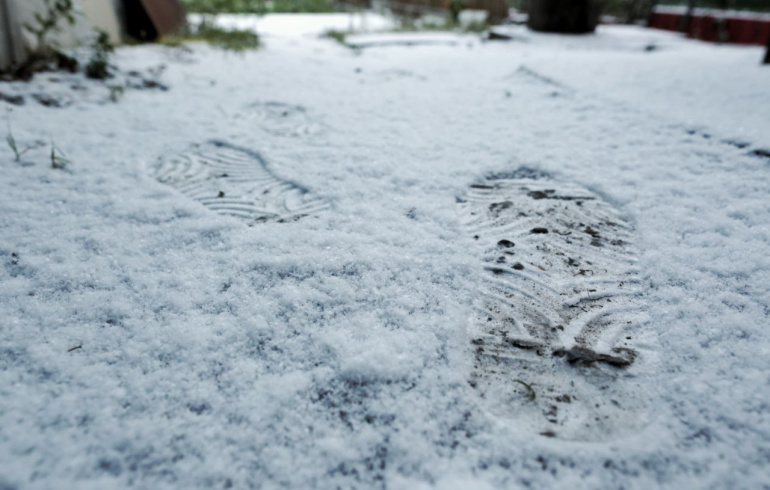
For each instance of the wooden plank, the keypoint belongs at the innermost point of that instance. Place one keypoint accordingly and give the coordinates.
(146, 20)
(166, 15)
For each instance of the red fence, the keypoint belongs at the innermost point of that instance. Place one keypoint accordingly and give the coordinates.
(710, 25)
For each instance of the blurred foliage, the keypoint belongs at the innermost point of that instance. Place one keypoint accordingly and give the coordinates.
(455, 6)
(98, 66)
(475, 26)
(48, 22)
(238, 40)
(259, 6)
(335, 34)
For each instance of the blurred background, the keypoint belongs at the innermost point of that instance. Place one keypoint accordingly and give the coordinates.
(29, 24)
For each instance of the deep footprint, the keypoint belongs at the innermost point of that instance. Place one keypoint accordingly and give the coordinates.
(559, 334)
(237, 182)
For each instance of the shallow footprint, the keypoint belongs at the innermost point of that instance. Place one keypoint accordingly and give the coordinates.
(559, 335)
(237, 182)
(282, 119)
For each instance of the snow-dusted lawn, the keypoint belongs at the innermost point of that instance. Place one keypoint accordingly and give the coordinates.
(335, 350)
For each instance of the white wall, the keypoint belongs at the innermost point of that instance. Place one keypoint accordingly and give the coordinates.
(14, 40)
(68, 36)
(103, 14)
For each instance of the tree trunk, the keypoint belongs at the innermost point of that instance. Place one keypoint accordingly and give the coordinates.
(635, 10)
(639, 11)
(633, 7)
(566, 16)
(723, 34)
(684, 25)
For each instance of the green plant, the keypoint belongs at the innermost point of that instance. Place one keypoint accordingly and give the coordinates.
(303, 6)
(228, 39)
(338, 36)
(530, 391)
(237, 40)
(48, 22)
(260, 6)
(58, 161)
(98, 66)
(12, 141)
(46, 55)
(455, 6)
(116, 92)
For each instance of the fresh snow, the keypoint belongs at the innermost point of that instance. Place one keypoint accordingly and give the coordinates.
(335, 351)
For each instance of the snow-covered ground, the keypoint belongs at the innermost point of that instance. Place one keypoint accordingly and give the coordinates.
(335, 351)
